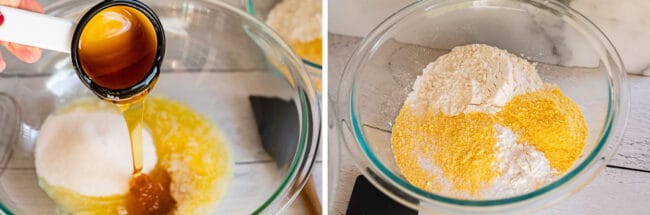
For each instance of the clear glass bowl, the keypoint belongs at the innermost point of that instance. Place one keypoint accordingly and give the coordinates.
(570, 51)
(261, 9)
(216, 57)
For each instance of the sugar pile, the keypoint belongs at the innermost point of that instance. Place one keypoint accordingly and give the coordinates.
(89, 153)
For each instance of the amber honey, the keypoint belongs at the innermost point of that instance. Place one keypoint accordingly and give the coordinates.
(133, 114)
(150, 194)
(117, 50)
(118, 47)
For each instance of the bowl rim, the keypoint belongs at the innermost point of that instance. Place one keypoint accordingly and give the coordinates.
(251, 10)
(402, 191)
(309, 108)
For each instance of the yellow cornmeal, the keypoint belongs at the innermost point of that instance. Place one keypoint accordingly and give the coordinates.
(462, 147)
(189, 147)
(311, 51)
(549, 121)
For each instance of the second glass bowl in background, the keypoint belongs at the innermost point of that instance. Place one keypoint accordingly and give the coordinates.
(261, 9)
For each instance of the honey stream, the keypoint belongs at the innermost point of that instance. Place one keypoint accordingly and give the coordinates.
(132, 113)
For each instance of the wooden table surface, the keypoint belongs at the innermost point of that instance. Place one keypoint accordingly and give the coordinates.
(622, 188)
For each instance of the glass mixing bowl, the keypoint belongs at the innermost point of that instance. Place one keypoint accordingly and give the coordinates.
(570, 51)
(261, 9)
(216, 57)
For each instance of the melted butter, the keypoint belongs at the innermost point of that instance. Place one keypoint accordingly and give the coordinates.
(117, 47)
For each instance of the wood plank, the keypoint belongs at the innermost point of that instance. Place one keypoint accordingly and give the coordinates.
(615, 191)
(634, 152)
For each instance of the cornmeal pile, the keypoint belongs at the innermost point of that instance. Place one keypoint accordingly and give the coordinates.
(299, 22)
(480, 123)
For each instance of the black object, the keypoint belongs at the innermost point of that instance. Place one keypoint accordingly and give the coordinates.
(278, 126)
(366, 199)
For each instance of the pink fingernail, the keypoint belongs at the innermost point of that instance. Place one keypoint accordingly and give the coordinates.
(2, 18)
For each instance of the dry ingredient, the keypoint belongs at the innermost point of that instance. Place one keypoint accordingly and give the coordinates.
(461, 146)
(299, 22)
(472, 78)
(480, 123)
(89, 153)
(188, 148)
(549, 121)
(521, 166)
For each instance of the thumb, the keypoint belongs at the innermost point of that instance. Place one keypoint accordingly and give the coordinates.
(10, 3)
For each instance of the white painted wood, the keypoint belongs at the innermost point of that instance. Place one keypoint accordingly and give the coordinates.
(615, 191)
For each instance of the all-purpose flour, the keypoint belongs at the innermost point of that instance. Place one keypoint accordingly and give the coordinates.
(522, 167)
(472, 78)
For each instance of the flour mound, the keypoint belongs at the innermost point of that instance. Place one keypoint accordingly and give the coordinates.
(522, 167)
(472, 78)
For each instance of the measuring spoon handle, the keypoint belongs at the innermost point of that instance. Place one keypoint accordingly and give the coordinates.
(35, 29)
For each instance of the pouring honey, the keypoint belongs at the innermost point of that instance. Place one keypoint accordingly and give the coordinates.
(117, 50)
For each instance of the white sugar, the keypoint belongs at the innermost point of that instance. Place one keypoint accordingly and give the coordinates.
(89, 153)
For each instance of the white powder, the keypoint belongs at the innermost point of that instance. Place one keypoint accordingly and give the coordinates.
(297, 20)
(89, 153)
(472, 78)
(522, 167)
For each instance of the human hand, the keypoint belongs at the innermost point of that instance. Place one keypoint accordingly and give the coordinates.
(24, 53)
